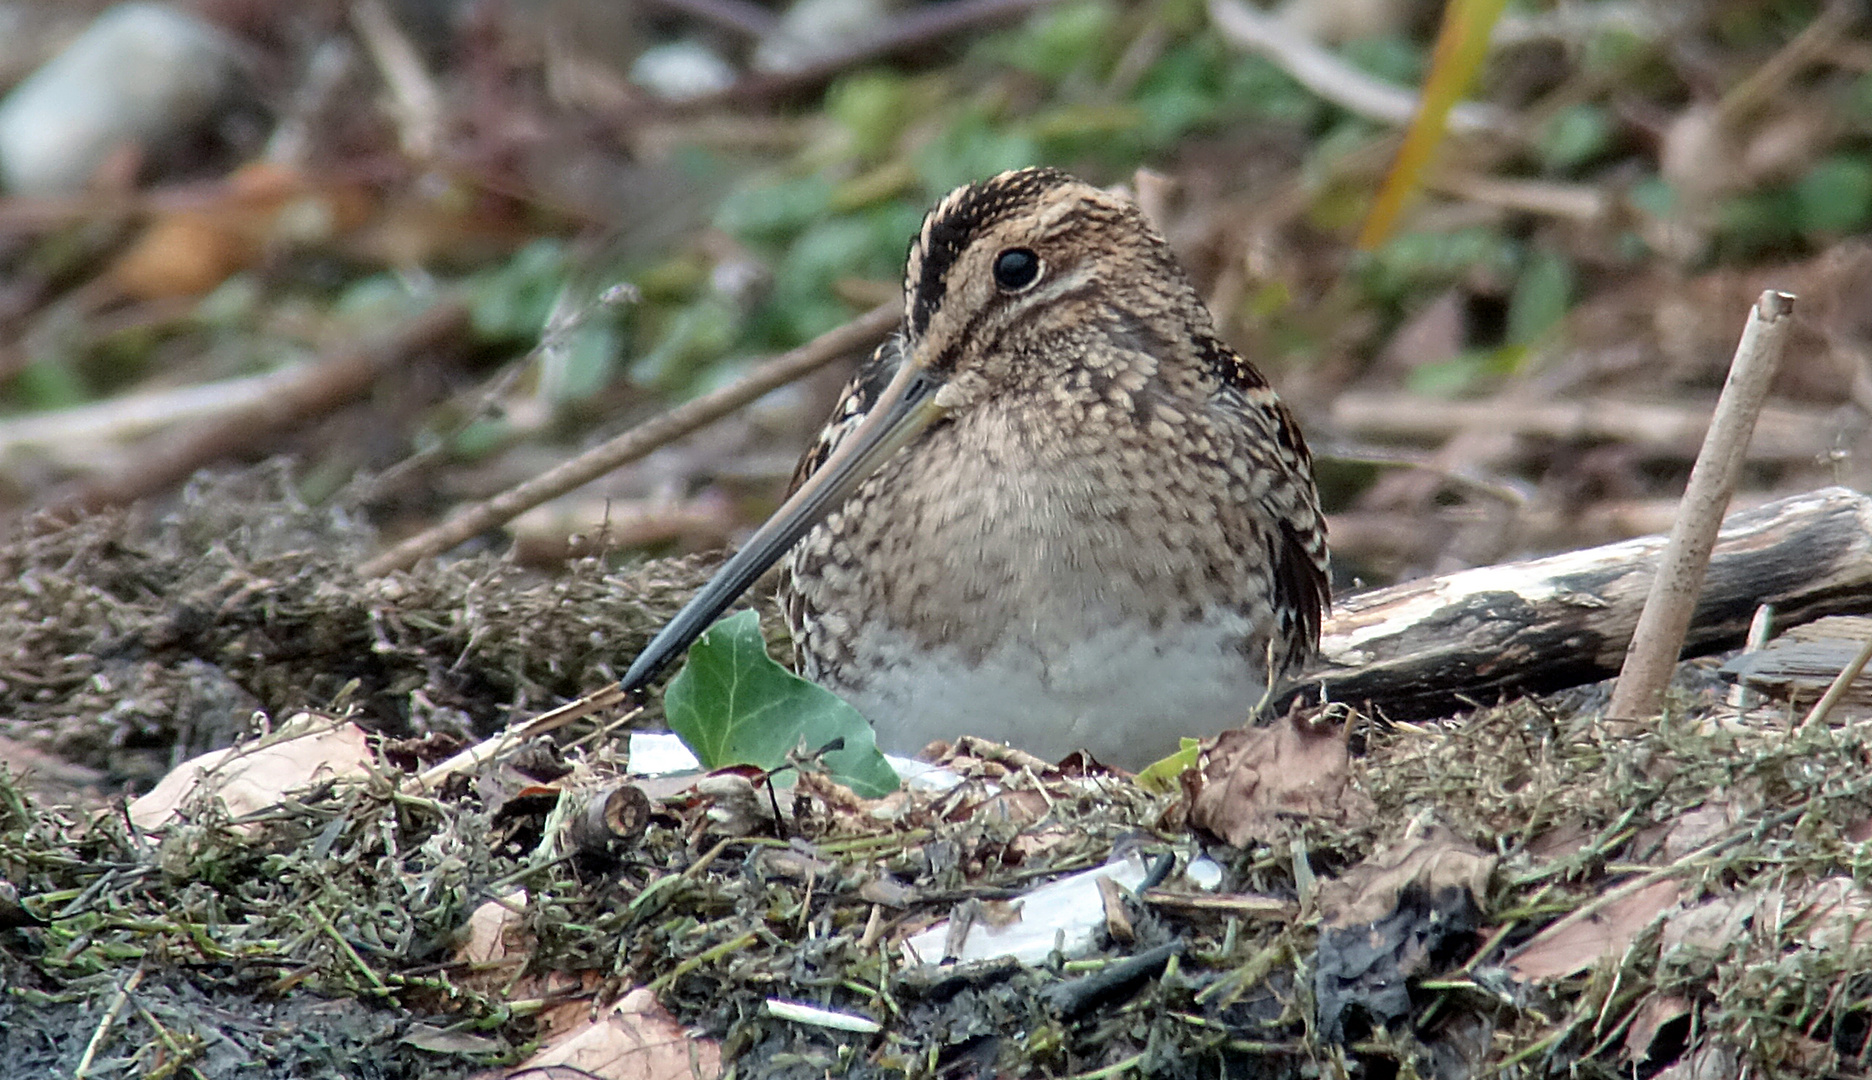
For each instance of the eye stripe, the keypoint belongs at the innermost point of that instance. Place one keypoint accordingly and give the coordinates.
(955, 222)
(1056, 290)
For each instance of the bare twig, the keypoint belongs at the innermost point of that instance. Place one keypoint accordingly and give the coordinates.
(310, 391)
(1662, 428)
(110, 1019)
(740, 16)
(418, 102)
(135, 415)
(1584, 203)
(1740, 696)
(517, 734)
(861, 333)
(291, 142)
(1573, 24)
(1841, 683)
(1659, 637)
(1768, 80)
(1332, 78)
(919, 29)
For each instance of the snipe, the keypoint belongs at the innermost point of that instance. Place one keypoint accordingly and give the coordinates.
(1054, 509)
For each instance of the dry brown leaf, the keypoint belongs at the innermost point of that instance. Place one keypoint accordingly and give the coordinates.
(1039, 843)
(496, 934)
(1559, 842)
(1254, 778)
(1434, 859)
(634, 1039)
(187, 251)
(1708, 927)
(1697, 827)
(1827, 914)
(248, 778)
(1389, 919)
(1569, 948)
(1831, 913)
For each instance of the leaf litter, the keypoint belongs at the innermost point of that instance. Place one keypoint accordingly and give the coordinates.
(1523, 892)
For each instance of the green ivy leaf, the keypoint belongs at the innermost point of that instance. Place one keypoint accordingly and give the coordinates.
(733, 705)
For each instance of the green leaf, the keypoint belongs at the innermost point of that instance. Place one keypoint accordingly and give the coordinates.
(1573, 136)
(1463, 372)
(511, 301)
(874, 107)
(1541, 295)
(1160, 776)
(1835, 196)
(733, 705)
(49, 384)
(583, 361)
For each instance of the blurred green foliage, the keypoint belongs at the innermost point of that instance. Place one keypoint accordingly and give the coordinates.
(1100, 87)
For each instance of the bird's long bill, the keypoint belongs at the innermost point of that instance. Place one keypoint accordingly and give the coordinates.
(905, 408)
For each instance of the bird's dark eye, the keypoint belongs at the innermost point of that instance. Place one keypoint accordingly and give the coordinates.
(1016, 268)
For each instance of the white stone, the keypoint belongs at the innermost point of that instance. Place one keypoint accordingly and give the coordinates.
(815, 30)
(682, 70)
(141, 74)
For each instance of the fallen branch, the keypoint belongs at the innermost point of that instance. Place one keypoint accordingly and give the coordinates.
(864, 332)
(1432, 647)
(307, 392)
(133, 416)
(1662, 428)
(915, 31)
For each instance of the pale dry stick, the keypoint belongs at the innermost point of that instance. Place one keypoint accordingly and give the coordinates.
(1658, 639)
(918, 29)
(516, 734)
(1841, 683)
(1585, 203)
(1771, 78)
(291, 143)
(1332, 78)
(306, 392)
(58, 431)
(863, 332)
(1658, 428)
(1741, 698)
(110, 1020)
(1573, 25)
(418, 102)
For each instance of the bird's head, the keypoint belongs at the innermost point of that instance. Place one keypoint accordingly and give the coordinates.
(1004, 283)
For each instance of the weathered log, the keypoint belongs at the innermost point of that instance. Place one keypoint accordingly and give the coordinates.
(1428, 648)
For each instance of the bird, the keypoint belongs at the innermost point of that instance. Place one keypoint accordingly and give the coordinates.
(1053, 509)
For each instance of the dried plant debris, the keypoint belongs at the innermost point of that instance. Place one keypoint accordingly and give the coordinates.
(128, 644)
(1523, 892)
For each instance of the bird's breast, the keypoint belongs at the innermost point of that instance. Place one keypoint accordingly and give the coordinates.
(1005, 529)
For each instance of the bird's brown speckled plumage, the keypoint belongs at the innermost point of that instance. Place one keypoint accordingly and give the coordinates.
(1111, 537)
